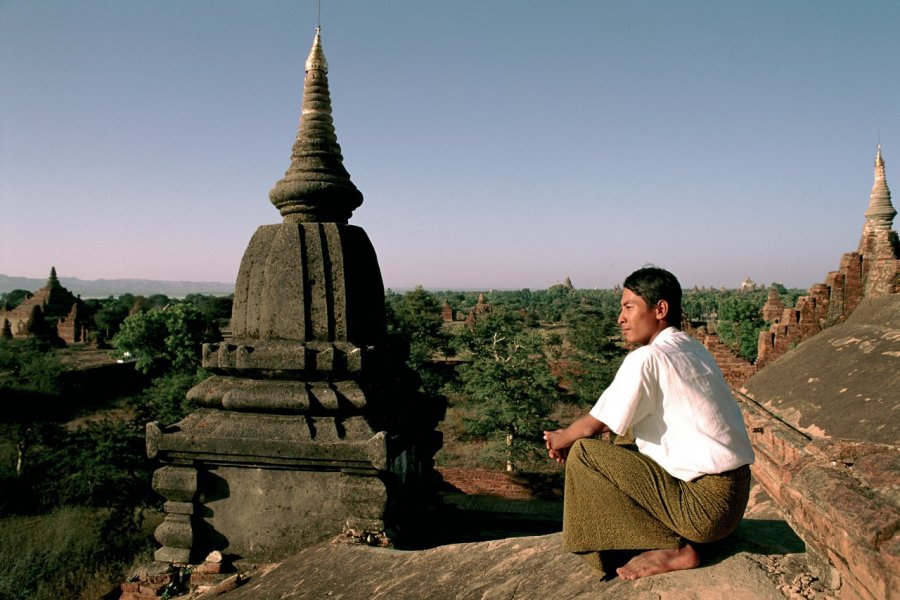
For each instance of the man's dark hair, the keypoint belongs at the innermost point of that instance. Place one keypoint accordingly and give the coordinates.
(654, 284)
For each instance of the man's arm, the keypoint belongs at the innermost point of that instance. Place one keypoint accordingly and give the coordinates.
(559, 441)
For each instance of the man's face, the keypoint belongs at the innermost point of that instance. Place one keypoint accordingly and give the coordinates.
(639, 322)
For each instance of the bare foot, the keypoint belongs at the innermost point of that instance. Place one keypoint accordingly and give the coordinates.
(654, 562)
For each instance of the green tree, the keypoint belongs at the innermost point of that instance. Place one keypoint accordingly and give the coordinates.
(30, 390)
(166, 344)
(739, 325)
(98, 464)
(551, 304)
(416, 337)
(596, 353)
(416, 318)
(165, 400)
(215, 309)
(166, 339)
(156, 301)
(509, 385)
(109, 314)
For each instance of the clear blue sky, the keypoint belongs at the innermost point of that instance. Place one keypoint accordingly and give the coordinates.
(498, 144)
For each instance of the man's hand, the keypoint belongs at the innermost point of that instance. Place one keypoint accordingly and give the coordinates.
(556, 447)
(559, 441)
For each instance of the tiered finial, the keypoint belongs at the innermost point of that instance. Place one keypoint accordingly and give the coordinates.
(316, 58)
(316, 186)
(880, 207)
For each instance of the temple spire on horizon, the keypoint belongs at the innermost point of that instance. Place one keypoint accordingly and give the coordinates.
(880, 207)
(878, 244)
(316, 186)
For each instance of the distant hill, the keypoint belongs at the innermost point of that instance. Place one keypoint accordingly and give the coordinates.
(103, 288)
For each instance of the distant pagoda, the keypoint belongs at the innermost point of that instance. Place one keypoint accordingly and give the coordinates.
(878, 244)
(304, 430)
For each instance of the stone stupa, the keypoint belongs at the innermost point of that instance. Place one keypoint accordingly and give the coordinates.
(305, 430)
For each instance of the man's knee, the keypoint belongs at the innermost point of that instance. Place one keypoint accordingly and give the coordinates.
(576, 456)
(583, 450)
(577, 447)
(709, 532)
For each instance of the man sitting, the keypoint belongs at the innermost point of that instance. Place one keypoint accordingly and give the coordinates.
(686, 478)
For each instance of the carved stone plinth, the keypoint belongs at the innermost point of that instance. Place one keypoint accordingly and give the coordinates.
(268, 484)
(262, 485)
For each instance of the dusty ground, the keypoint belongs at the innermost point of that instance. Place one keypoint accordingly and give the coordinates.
(80, 356)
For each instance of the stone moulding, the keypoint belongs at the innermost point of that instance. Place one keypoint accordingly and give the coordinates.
(274, 356)
(285, 397)
(841, 498)
(226, 437)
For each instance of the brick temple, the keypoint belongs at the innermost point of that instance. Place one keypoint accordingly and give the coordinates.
(51, 312)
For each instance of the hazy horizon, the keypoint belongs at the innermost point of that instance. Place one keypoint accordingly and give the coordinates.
(63, 279)
(500, 145)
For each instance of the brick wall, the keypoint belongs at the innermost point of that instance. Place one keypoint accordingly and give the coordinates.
(736, 370)
(837, 495)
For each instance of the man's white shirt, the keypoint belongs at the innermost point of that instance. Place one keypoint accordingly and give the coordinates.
(672, 394)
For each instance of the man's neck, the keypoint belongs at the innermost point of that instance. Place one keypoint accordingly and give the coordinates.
(662, 326)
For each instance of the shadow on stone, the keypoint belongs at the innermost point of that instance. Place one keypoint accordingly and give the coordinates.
(462, 518)
(753, 536)
(767, 536)
(478, 506)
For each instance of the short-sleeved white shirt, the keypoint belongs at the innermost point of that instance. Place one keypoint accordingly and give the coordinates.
(673, 395)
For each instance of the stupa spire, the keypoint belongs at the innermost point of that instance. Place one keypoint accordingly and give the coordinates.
(53, 280)
(880, 207)
(316, 187)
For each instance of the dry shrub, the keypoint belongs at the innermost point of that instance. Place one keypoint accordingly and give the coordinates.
(60, 555)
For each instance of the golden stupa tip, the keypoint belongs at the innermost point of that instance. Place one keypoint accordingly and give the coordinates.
(316, 58)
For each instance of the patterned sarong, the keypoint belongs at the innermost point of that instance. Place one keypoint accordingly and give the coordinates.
(618, 499)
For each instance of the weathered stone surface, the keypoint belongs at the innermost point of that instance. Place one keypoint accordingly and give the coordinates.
(762, 557)
(736, 369)
(177, 484)
(175, 531)
(512, 568)
(851, 525)
(309, 282)
(275, 440)
(279, 356)
(842, 382)
(773, 309)
(260, 512)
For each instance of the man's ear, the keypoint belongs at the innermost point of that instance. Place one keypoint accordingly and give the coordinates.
(662, 310)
